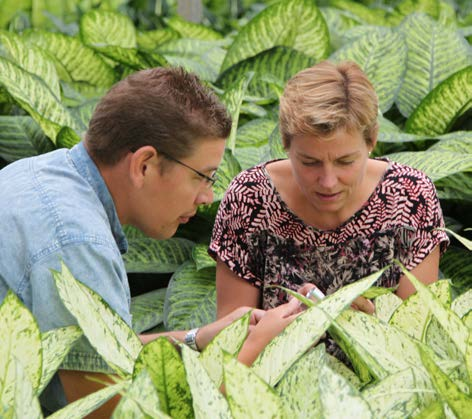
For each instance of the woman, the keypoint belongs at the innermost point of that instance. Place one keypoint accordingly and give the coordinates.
(329, 214)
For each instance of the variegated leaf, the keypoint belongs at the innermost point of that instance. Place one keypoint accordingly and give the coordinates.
(30, 58)
(363, 13)
(25, 402)
(228, 169)
(21, 339)
(251, 156)
(156, 256)
(150, 40)
(192, 30)
(382, 56)
(413, 316)
(304, 374)
(140, 400)
(191, 298)
(208, 402)
(276, 149)
(229, 340)
(341, 369)
(340, 399)
(86, 405)
(460, 403)
(56, 344)
(280, 62)
(385, 306)
(35, 97)
(254, 133)
(165, 367)
(338, 23)
(400, 395)
(20, 137)
(201, 257)
(439, 110)
(462, 304)
(457, 141)
(305, 330)
(106, 331)
(405, 8)
(447, 318)
(74, 61)
(248, 395)
(275, 26)
(147, 310)
(436, 164)
(434, 53)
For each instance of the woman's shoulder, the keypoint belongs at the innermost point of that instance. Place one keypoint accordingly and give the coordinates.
(403, 177)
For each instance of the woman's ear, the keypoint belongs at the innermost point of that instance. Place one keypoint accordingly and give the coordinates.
(373, 135)
(140, 163)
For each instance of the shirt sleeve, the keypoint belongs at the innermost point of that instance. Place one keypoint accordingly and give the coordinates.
(238, 237)
(426, 218)
(99, 267)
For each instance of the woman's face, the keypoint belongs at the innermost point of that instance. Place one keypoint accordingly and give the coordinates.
(330, 172)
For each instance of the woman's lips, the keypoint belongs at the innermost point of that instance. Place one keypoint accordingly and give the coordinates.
(328, 197)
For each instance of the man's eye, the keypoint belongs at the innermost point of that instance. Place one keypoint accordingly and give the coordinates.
(310, 163)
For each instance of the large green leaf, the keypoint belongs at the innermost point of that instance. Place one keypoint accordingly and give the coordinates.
(255, 132)
(250, 156)
(305, 330)
(456, 264)
(361, 12)
(140, 400)
(434, 53)
(192, 30)
(30, 58)
(165, 367)
(304, 374)
(228, 169)
(457, 141)
(228, 340)
(407, 7)
(56, 344)
(21, 339)
(399, 395)
(280, 62)
(10, 8)
(157, 256)
(438, 111)
(75, 62)
(201, 257)
(21, 136)
(106, 331)
(32, 94)
(436, 164)
(338, 23)
(147, 310)
(150, 40)
(86, 405)
(208, 402)
(204, 58)
(105, 28)
(248, 395)
(382, 56)
(191, 298)
(275, 26)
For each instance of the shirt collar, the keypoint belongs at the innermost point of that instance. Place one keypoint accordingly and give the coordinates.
(89, 171)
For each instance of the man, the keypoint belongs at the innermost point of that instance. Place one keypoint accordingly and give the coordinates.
(148, 159)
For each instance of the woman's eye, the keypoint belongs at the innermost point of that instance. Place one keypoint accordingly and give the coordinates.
(345, 162)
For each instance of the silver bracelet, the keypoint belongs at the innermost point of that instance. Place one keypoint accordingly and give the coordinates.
(316, 293)
(190, 338)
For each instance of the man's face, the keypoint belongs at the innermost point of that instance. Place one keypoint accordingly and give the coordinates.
(171, 193)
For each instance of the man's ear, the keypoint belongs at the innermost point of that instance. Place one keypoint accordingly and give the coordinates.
(140, 163)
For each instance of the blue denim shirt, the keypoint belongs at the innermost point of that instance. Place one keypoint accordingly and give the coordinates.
(55, 207)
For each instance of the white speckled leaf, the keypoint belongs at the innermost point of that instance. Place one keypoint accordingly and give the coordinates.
(56, 345)
(208, 402)
(25, 402)
(305, 330)
(165, 367)
(412, 317)
(140, 400)
(248, 395)
(229, 340)
(399, 395)
(21, 339)
(385, 306)
(107, 332)
(304, 374)
(462, 304)
(86, 405)
(339, 399)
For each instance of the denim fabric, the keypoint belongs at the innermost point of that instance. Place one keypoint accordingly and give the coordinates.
(57, 207)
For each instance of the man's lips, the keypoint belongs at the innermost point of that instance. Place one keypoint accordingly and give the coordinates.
(186, 217)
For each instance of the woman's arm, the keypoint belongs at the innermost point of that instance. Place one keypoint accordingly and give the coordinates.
(232, 291)
(427, 272)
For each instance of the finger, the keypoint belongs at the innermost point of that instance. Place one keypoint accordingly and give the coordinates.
(256, 315)
(287, 309)
(364, 305)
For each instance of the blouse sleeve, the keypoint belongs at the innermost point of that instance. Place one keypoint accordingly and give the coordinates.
(426, 217)
(238, 238)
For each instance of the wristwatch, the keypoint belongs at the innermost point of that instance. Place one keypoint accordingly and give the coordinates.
(190, 338)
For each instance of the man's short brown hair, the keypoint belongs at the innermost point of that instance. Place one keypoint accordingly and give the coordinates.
(321, 99)
(166, 108)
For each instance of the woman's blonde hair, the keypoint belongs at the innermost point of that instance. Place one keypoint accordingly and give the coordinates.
(321, 99)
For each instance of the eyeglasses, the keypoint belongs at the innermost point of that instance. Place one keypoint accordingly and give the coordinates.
(209, 180)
